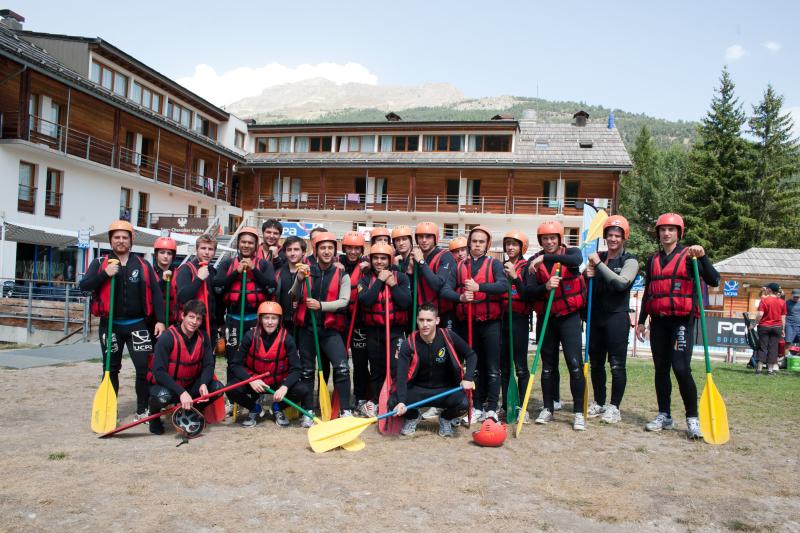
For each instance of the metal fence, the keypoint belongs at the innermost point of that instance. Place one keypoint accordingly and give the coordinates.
(36, 303)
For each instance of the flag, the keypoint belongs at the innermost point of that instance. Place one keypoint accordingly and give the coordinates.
(589, 213)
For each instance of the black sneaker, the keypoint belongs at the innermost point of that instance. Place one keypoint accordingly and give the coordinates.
(156, 426)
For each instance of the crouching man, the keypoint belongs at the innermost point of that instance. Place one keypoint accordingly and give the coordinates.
(182, 367)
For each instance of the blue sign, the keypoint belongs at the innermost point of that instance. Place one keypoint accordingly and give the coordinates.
(298, 229)
(84, 238)
(638, 283)
(731, 288)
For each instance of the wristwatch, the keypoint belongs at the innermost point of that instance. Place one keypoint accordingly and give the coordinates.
(421, 262)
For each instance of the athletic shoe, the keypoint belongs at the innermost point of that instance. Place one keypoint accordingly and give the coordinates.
(307, 421)
(611, 415)
(595, 410)
(410, 426)
(490, 414)
(344, 413)
(367, 409)
(544, 417)
(501, 413)
(557, 405)
(693, 428)
(253, 418)
(143, 414)
(445, 428)
(578, 422)
(476, 417)
(433, 412)
(157, 426)
(662, 421)
(527, 418)
(280, 418)
(228, 407)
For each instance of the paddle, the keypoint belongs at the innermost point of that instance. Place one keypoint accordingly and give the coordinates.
(243, 296)
(176, 406)
(216, 411)
(586, 354)
(168, 279)
(469, 341)
(713, 414)
(512, 392)
(387, 426)
(416, 292)
(324, 395)
(556, 272)
(329, 435)
(104, 405)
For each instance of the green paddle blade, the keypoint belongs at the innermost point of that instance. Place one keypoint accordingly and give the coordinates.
(713, 414)
(512, 395)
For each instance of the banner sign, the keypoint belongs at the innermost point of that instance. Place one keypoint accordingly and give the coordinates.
(725, 332)
(298, 229)
(731, 288)
(186, 225)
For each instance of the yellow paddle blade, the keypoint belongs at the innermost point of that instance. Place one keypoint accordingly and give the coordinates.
(104, 406)
(324, 399)
(713, 414)
(354, 445)
(291, 413)
(596, 227)
(585, 391)
(524, 407)
(338, 432)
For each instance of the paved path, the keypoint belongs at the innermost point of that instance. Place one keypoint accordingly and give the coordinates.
(49, 355)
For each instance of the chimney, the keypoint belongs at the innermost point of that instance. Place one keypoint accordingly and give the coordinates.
(11, 20)
(611, 120)
(391, 116)
(580, 118)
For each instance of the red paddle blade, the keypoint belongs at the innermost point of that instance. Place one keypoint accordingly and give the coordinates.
(390, 425)
(215, 413)
(334, 404)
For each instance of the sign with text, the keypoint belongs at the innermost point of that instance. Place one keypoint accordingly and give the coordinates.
(187, 225)
(298, 229)
(731, 288)
(638, 283)
(84, 238)
(726, 332)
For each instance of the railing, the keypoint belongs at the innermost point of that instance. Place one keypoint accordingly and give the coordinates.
(26, 199)
(49, 304)
(143, 219)
(52, 204)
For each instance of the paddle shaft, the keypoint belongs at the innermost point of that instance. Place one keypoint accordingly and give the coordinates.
(416, 289)
(422, 402)
(166, 311)
(205, 303)
(702, 313)
(110, 324)
(243, 296)
(314, 327)
(586, 353)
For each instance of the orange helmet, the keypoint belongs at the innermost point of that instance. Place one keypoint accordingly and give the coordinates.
(120, 225)
(270, 308)
(550, 227)
(518, 236)
(324, 236)
(486, 231)
(379, 232)
(456, 243)
(428, 228)
(381, 248)
(353, 238)
(401, 231)
(247, 229)
(617, 221)
(165, 243)
(671, 219)
(491, 434)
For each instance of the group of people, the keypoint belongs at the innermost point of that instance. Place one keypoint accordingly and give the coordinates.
(776, 320)
(446, 317)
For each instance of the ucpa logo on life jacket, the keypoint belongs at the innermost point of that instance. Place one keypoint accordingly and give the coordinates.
(441, 355)
(134, 277)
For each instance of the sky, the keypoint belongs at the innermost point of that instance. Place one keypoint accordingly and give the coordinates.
(659, 58)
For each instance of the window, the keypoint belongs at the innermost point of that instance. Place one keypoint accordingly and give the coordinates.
(319, 144)
(204, 212)
(450, 231)
(33, 111)
(203, 126)
(238, 139)
(110, 79)
(406, 143)
(53, 193)
(26, 201)
(490, 143)
(473, 191)
(125, 197)
(373, 190)
(361, 143)
(191, 210)
(541, 145)
(179, 114)
(551, 193)
(571, 190)
(286, 189)
(572, 236)
(443, 143)
(452, 192)
(274, 144)
(143, 217)
(145, 97)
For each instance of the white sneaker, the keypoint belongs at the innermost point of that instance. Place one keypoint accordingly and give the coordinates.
(611, 415)
(661, 421)
(432, 412)
(476, 417)
(578, 422)
(595, 410)
(557, 406)
(693, 428)
(410, 426)
(545, 416)
(228, 407)
(253, 418)
(344, 413)
(307, 421)
(527, 418)
(139, 416)
(489, 414)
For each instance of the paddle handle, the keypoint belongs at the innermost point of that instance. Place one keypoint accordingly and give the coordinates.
(699, 292)
(314, 326)
(510, 330)
(309, 414)
(205, 303)
(166, 311)
(423, 401)
(469, 324)
(352, 325)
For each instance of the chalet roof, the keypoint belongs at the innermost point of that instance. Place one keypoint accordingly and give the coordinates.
(37, 59)
(765, 262)
(537, 146)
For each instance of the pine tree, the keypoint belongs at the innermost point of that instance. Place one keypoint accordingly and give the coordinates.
(777, 163)
(716, 202)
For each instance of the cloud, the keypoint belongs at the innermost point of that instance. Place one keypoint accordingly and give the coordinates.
(735, 52)
(772, 46)
(241, 82)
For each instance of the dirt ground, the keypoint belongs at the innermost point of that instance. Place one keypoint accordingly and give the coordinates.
(57, 475)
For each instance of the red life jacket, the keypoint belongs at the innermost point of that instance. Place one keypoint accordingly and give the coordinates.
(254, 295)
(484, 306)
(425, 293)
(670, 290)
(184, 367)
(174, 306)
(336, 320)
(100, 299)
(518, 305)
(274, 360)
(570, 294)
(375, 315)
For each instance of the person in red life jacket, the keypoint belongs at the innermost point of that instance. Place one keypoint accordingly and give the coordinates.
(268, 348)
(328, 298)
(380, 236)
(194, 282)
(373, 305)
(164, 251)
(614, 272)
(137, 303)
(434, 268)
(458, 249)
(669, 301)
(515, 245)
(270, 249)
(182, 367)
(401, 240)
(480, 282)
(294, 250)
(355, 264)
(771, 322)
(430, 361)
(564, 327)
(260, 278)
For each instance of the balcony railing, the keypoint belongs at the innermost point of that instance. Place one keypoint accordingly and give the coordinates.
(500, 205)
(52, 204)
(26, 199)
(85, 146)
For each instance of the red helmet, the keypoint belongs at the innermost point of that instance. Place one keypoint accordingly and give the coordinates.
(123, 225)
(386, 249)
(324, 236)
(456, 243)
(617, 221)
(671, 219)
(248, 230)
(270, 308)
(491, 434)
(165, 243)
(353, 238)
(550, 227)
(401, 231)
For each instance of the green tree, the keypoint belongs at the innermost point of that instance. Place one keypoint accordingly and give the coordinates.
(775, 189)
